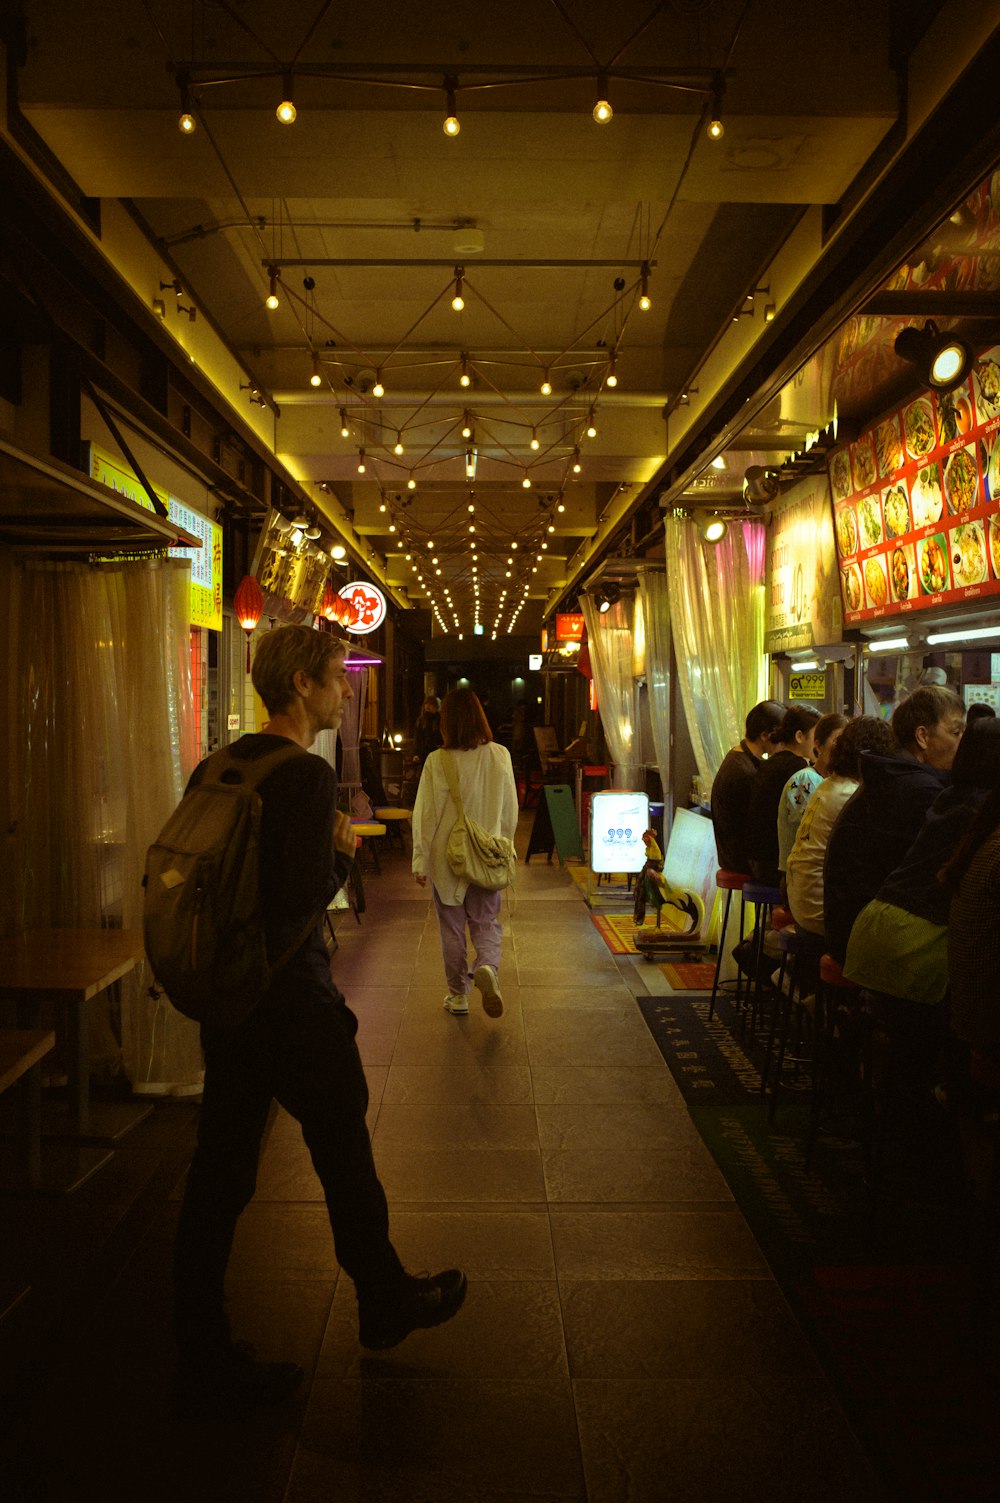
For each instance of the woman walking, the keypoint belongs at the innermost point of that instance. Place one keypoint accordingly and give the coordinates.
(489, 796)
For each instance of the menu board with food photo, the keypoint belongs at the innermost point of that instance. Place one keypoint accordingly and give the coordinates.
(916, 501)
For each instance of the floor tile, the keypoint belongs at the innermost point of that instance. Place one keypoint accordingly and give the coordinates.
(599, 1084)
(462, 1174)
(655, 1245)
(632, 1124)
(437, 1441)
(489, 1242)
(457, 1084)
(659, 1175)
(681, 1329)
(568, 1038)
(503, 1330)
(481, 1125)
(611, 998)
(719, 1440)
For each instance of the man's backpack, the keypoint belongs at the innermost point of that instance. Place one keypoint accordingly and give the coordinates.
(202, 916)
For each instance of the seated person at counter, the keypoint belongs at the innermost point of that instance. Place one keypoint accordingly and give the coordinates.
(734, 782)
(882, 819)
(973, 876)
(804, 875)
(791, 751)
(803, 784)
(898, 946)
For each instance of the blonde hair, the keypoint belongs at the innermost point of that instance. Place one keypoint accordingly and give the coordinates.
(283, 653)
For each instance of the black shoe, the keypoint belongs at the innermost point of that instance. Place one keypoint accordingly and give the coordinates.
(220, 1383)
(422, 1303)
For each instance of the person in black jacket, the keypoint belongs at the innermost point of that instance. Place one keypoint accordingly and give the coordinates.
(733, 784)
(297, 1047)
(879, 823)
(791, 751)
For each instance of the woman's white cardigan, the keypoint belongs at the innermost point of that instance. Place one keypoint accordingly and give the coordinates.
(486, 782)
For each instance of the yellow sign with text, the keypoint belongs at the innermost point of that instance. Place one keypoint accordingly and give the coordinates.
(807, 686)
(206, 561)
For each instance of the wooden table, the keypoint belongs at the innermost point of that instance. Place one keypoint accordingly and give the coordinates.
(71, 966)
(21, 1053)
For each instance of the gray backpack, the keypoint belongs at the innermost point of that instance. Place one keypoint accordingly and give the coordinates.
(202, 914)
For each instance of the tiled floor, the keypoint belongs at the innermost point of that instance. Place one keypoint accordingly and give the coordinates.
(622, 1341)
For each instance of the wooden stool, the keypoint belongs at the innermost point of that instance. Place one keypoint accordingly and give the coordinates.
(729, 882)
(395, 820)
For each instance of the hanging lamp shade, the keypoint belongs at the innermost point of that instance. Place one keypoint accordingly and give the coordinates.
(328, 609)
(248, 603)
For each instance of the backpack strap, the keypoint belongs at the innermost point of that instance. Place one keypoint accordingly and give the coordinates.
(448, 763)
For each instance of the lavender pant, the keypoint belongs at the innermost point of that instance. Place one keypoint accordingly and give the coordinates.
(481, 911)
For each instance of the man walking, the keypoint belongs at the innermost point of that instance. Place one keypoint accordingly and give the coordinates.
(297, 1047)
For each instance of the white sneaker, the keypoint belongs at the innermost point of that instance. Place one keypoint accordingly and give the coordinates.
(457, 1004)
(485, 977)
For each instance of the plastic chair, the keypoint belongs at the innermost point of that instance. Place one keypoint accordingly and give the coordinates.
(729, 882)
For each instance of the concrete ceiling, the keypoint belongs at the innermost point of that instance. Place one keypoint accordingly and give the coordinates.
(365, 195)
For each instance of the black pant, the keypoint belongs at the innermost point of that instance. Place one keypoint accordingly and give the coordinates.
(298, 1048)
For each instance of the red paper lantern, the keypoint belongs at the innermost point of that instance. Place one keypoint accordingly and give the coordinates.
(329, 605)
(248, 603)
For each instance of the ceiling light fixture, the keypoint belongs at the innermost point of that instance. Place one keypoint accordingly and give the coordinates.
(713, 529)
(760, 485)
(316, 379)
(942, 361)
(716, 129)
(397, 447)
(546, 386)
(465, 379)
(452, 125)
(591, 425)
(611, 379)
(602, 109)
(361, 461)
(458, 301)
(286, 111)
(187, 123)
(338, 551)
(272, 300)
(534, 439)
(378, 390)
(345, 432)
(645, 302)
(975, 635)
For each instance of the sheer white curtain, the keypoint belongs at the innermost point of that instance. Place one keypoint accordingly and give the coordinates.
(716, 596)
(98, 743)
(609, 635)
(656, 614)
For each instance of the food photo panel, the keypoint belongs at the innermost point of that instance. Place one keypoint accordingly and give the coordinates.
(888, 446)
(986, 385)
(903, 572)
(876, 585)
(847, 531)
(896, 510)
(918, 428)
(961, 480)
(989, 454)
(863, 462)
(926, 496)
(932, 564)
(967, 548)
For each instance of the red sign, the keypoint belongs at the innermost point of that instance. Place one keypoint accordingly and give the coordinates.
(917, 502)
(367, 607)
(569, 627)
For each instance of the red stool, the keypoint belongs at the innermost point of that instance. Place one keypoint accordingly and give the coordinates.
(781, 918)
(730, 882)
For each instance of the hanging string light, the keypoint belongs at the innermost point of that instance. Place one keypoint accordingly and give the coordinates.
(187, 123)
(645, 302)
(546, 386)
(602, 109)
(316, 379)
(378, 390)
(452, 125)
(361, 461)
(286, 111)
(716, 129)
(465, 379)
(611, 379)
(272, 300)
(345, 432)
(458, 301)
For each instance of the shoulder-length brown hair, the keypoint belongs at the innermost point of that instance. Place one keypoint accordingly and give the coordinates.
(463, 721)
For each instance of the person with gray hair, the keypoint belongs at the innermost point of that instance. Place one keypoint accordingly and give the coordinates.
(297, 1047)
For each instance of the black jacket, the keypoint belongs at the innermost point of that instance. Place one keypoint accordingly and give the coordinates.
(762, 816)
(731, 791)
(914, 884)
(876, 828)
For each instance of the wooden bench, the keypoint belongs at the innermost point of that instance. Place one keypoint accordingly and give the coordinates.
(21, 1053)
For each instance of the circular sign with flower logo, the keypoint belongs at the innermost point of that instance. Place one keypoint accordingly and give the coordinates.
(367, 606)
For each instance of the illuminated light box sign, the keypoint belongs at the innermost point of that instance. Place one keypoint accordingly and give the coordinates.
(917, 502)
(534, 661)
(206, 562)
(369, 606)
(569, 626)
(807, 686)
(618, 820)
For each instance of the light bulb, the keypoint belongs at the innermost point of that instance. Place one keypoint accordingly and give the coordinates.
(534, 440)
(452, 125)
(316, 378)
(465, 379)
(345, 432)
(361, 461)
(716, 130)
(286, 111)
(546, 386)
(378, 390)
(526, 482)
(611, 379)
(187, 124)
(398, 445)
(645, 302)
(458, 302)
(591, 430)
(602, 109)
(411, 484)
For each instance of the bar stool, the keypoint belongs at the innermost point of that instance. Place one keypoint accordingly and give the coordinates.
(395, 820)
(804, 950)
(764, 898)
(729, 882)
(832, 991)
